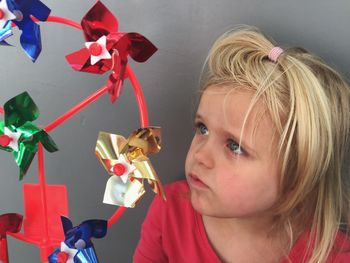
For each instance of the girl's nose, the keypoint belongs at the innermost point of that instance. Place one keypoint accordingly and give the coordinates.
(204, 154)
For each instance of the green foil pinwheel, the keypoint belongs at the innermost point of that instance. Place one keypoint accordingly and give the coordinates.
(19, 135)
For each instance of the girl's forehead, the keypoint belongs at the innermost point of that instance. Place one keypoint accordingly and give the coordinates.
(229, 92)
(228, 109)
(232, 101)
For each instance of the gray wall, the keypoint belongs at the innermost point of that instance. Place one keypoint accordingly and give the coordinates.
(183, 30)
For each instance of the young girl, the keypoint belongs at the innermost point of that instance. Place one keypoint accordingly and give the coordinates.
(267, 171)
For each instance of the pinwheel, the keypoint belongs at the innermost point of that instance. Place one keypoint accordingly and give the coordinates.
(8, 223)
(77, 246)
(127, 162)
(20, 12)
(106, 49)
(19, 135)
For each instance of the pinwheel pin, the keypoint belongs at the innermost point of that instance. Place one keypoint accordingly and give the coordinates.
(8, 223)
(20, 12)
(77, 246)
(108, 50)
(19, 135)
(127, 162)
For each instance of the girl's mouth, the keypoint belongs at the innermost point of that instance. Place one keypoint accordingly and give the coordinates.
(195, 182)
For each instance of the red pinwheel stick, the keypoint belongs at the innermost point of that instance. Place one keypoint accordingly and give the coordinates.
(4, 257)
(45, 246)
(115, 216)
(43, 191)
(138, 93)
(139, 97)
(57, 19)
(76, 109)
(61, 20)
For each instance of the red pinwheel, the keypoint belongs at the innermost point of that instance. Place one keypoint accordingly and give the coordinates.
(8, 223)
(106, 49)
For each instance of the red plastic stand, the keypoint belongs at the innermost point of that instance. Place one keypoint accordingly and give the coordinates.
(43, 205)
(44, 232)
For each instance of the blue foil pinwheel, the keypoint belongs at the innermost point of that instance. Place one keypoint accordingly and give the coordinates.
(77, 246)
(20, 12)
(106, 49)
(19, 135)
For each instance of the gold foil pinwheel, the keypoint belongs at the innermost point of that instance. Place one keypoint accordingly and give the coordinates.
(127, 162)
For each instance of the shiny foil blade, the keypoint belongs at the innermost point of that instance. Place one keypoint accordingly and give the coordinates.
(141, 142)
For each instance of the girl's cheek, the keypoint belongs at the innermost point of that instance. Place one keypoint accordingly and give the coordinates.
(189, 158)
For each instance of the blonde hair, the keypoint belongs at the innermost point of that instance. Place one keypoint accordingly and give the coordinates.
(309, 104)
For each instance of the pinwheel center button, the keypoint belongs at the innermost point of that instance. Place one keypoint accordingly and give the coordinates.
(5, 140)
(18, 14)
(2, 14)
(62, 257)
(119, 169)
(95, 49)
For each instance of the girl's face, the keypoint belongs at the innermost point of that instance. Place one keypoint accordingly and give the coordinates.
(226, 179)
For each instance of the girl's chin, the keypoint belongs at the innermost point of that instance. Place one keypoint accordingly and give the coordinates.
(198, 202)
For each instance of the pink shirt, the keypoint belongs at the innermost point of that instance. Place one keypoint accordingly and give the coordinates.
(174, 232)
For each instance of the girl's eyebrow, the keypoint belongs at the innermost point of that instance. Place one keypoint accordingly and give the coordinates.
(244, 145)
(198, 117)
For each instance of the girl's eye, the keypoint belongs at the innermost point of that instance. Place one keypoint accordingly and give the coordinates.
(202, 129)
(234, 147)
